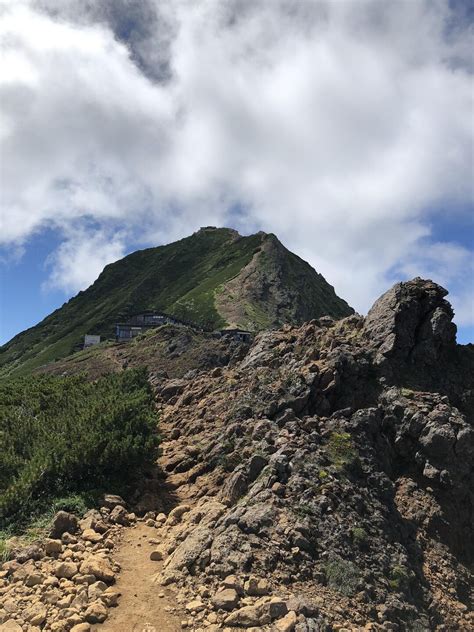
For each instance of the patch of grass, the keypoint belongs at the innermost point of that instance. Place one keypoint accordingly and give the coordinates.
(4, 546)
(341, 450)
(359, 537)
(342, 575)
(303, 510)
(399, 578)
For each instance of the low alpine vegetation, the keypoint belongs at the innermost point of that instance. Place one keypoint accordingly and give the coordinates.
(65, 435)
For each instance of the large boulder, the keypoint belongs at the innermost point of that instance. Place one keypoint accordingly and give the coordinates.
(411, 323)
(189, 550)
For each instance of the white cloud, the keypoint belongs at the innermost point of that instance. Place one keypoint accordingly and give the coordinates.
(341, 126)
(82, 257)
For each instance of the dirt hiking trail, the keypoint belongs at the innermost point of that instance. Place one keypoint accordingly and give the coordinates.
(144, 605)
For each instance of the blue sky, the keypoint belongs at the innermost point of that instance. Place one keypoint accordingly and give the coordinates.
(345, 128)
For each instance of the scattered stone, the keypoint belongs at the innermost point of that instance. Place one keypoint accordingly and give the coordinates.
(11, 626)
(176, 514)
(96, 612)
(156, 555)
(63, 522)
(288, 622)
(53, 547)
(91, 536)
(66, 570)
(81, 627)
(99, 567)
(226, 599)
(195, 606)
(119, 515)
(32, 552)
(35, 614)
(112, 500)
(34, 579)
(255, 586)
(96, 589)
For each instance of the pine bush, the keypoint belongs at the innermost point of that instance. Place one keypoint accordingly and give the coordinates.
(62, 435)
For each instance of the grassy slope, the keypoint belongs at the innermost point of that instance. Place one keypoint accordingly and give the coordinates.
(179, 278)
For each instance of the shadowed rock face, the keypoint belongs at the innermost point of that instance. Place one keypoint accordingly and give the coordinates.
(411, 323)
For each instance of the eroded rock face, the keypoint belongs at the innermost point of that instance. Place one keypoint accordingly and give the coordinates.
(412, 322)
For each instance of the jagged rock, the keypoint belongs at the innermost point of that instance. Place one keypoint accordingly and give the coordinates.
(172, 388)
(112, 500)
(10, 626)
(91, 536)
(68, 538)
(99, 567)
(287, 623)
(176, 514)
(411, 322)
(81, 627)
(119, 515)
(256, 465)
(33, 552)
(66, 570)
(63, 522)
(93, 520)
(225, 599)
(235, 487)
(96, 589)
(34, 579)
(53, 547)
(195, 606)
(110, 597)
(261, 613)
(188, 552)
(96, 612)
(35, 614)
(255, 586)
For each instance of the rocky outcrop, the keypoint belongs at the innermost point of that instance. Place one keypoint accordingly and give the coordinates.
(411, 323)
(345, 488)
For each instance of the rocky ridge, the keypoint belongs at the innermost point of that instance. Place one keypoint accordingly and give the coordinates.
(321, 482)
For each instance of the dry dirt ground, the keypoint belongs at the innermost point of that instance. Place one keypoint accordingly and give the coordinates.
(144, 606)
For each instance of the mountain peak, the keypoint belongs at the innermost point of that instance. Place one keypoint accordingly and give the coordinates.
(215, 278)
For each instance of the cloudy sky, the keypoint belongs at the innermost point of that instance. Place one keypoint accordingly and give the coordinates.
(343, 126)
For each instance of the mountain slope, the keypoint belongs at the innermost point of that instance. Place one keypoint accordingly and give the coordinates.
(215, 278)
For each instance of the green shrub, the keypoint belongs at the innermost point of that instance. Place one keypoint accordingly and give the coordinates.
(74, 503)
(62, 436)
(399, 578)
(359, 536)
(342, 575)
(341, 450)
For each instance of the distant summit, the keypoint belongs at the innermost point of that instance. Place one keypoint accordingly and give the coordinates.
(215, 278)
